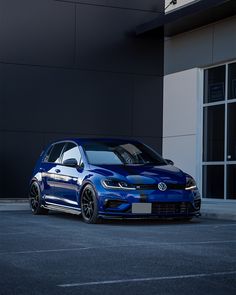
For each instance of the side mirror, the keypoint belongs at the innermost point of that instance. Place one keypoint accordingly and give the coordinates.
(72, 162)
(169, 162)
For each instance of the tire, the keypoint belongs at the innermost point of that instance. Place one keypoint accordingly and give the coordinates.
(89, 205)
(36, 200)
(185, 219)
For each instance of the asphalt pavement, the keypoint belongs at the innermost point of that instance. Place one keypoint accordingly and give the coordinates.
(211, 208)
(60, 254)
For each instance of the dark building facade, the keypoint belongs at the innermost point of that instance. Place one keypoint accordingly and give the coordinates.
(199, 94)
(75, 68)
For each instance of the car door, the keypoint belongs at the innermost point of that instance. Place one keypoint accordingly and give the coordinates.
(49, 170)
(66, 186)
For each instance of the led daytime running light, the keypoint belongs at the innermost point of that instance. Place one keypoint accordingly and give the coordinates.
(190, 183)
(119, 186)
(190, 187)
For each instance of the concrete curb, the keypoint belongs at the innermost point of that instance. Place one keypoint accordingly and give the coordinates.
(214, 210)
(219, 216)
(15, 200)
(14, 207)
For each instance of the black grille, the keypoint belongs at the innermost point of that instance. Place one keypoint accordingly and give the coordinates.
(170, 186)
(146, 186)
(197, 204)
(172, 208)
(175, 186)
(113, 203)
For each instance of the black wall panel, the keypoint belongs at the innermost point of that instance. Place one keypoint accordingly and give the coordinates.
(1, 133)
(37, 32)
(2, 111)
(147, 107)
(72, 69)
(65, 100)
(2, 194)
(20, 151)
(147, 5)
(107, 41)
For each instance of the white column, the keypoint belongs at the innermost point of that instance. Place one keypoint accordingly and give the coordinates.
(181, 120)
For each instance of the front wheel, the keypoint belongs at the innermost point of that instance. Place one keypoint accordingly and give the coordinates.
(89, 205)
(35, 199)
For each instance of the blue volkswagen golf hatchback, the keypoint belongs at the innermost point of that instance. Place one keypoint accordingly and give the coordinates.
(110, 178)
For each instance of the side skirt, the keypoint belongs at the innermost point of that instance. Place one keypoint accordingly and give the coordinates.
(62, 208)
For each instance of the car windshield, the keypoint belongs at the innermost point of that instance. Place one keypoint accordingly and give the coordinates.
(121, 153)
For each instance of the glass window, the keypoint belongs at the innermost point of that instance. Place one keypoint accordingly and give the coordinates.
(213, 133)
(103, 157)
(214, 84)
(231, 183)
(71, 151)
(232, 81)
(54, 156)
(48, 154)
(121, 153)
(213, 181)
(231, 149)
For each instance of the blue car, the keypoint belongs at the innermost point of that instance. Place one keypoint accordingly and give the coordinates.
(111, 178)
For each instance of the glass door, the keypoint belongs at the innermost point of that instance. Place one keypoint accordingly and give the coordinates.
(219, 132)
(231, 133)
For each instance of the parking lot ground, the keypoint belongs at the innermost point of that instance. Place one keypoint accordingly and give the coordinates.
(59, 254)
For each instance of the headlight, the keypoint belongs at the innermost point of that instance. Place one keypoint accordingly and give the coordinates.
(116, 184)
(190, 183)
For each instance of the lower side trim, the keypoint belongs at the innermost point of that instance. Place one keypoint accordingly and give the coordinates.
(62, 208)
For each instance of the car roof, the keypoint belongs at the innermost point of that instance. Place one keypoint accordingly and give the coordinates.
(81, 140)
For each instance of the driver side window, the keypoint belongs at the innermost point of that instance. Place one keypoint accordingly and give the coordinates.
(71, 151)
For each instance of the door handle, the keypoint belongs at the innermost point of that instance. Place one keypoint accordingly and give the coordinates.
(57, 170)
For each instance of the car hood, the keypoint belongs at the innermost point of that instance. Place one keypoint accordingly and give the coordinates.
(142, 174)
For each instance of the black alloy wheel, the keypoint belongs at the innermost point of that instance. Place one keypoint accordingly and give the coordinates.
(89, 206)
(35, 199)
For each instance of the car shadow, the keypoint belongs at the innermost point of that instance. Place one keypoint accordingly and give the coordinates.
(128, 221)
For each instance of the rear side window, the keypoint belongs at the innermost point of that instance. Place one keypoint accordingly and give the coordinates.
(71, 151)
(48, 154)
(55, 152)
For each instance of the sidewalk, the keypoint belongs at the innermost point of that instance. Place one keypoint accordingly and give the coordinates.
(219, 209)
(211, 208)
(14, 204)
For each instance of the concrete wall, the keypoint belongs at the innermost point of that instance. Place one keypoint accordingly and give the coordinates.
(179, 4)
(74, 68)
(185, 55)
(180, 119)
(206, 46)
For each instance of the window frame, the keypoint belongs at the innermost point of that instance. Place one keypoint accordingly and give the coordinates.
(62, 152)
(203, 105)
(51, 149)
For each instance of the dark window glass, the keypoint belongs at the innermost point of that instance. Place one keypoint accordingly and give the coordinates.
(48, 154)
(231, 182)
(71, 151)
(232, 81)
(54, 156)
(214, 84)
(231, 149)
(213, 181)
(121, 153)
(213, 133)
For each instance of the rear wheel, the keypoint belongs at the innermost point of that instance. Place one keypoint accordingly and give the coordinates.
(35, 199)
(89, 205)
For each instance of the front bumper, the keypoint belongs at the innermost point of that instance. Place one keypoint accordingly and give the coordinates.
(166, 205)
